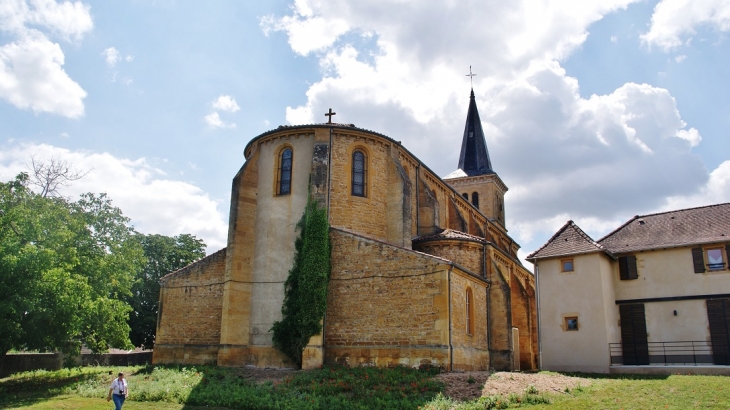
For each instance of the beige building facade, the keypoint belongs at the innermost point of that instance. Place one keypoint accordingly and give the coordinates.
(420, 275)
(653, 294)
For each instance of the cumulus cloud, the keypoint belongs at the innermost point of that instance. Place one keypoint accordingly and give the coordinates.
(596, 160)
(32, 77)
(224, 103)
(31, 65)
(155, 202)
(111, 55)
(674, 22)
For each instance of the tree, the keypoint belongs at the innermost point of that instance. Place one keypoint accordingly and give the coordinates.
(48, 176)
(65, 268)
(164, 255)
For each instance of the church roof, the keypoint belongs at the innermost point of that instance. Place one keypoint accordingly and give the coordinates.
(449, 234)
(684, 227)
(474, 159)
(569, 240)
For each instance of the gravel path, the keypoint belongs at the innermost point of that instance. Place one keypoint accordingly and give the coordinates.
(458, 385)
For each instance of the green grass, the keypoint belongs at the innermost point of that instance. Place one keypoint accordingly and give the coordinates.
(198, 387)
(613, 392)
(212, 388)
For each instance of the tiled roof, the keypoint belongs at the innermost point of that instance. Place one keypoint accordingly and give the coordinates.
(707, 224)
(449, 234)
(569, 240)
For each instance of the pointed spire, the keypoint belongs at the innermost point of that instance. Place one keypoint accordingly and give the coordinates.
(474, 159)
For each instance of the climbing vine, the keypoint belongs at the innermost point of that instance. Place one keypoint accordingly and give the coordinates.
(305, 290)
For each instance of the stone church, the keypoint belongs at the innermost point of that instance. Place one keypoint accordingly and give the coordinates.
(423, 270)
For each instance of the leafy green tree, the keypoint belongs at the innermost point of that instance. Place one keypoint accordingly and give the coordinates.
(65, 268)
(164, 255)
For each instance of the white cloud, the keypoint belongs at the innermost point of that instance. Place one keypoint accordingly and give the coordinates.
(674, 22)
(680, 58)
(154, 202)
(595, 160)
(31, 65)
(111, 55)
(32, 77)
(214, 121)
(225, 103)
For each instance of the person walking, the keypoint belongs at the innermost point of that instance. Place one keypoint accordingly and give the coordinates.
(118, 391)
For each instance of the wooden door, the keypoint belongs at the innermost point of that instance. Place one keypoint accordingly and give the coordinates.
(718, 314)
(633, 334)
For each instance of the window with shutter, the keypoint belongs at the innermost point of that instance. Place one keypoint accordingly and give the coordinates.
(627, 267)
(715, 259)
(698, 260)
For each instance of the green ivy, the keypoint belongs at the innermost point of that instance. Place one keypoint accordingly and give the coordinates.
(305, 293)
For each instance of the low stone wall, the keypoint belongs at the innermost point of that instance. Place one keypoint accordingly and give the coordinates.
(23, 362)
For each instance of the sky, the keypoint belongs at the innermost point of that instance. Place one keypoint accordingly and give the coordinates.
(594, 111)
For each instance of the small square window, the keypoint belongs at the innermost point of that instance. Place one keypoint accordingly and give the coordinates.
(715, 260)
(567, 265)
(571, 323)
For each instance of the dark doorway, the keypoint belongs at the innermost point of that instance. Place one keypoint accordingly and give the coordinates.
(634, 342)
(718, 314)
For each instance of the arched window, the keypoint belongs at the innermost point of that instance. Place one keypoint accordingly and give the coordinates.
(475, 199)
(359, 174)
(465, 195)
(284, 182)
(469, 312)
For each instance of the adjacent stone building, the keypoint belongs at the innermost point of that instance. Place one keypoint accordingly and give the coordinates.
(423, 270)
(651, 296)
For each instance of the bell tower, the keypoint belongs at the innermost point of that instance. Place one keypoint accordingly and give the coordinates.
(475, 179)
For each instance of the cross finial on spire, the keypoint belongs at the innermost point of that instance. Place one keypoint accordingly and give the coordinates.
(330, 114)
(471, 77)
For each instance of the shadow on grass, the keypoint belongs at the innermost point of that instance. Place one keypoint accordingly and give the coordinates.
(631, 376)
(30, 388)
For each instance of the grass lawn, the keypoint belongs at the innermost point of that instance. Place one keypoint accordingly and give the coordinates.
(192, 388)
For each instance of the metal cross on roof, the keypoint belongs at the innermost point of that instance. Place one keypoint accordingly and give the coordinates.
(330, 114)
(471, 77)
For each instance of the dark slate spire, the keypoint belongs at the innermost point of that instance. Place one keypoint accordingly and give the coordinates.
(474, 158)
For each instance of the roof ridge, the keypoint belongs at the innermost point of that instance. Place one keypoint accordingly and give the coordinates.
(557, 234)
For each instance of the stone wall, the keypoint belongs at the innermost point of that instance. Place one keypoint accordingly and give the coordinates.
(385, 304)
(367, 215)
(466, 254)
(470, 350)
(190, 311)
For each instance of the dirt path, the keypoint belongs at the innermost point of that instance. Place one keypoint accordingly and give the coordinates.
(471, 385)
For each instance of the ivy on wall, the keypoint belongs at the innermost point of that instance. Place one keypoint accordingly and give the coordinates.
(305, 290)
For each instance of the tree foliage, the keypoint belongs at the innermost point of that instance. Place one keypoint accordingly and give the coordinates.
(65, 268)
(164, 255)
(305, 294)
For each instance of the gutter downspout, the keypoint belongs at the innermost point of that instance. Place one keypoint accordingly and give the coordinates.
(418, 209)
(329, 194)
(489, 299)
(451, 346)
(539, 331)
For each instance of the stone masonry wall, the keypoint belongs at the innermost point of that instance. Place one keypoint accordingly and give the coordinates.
(463, 253)
(470, 350)
(366, 215)
(190, 311)
(385, 305)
